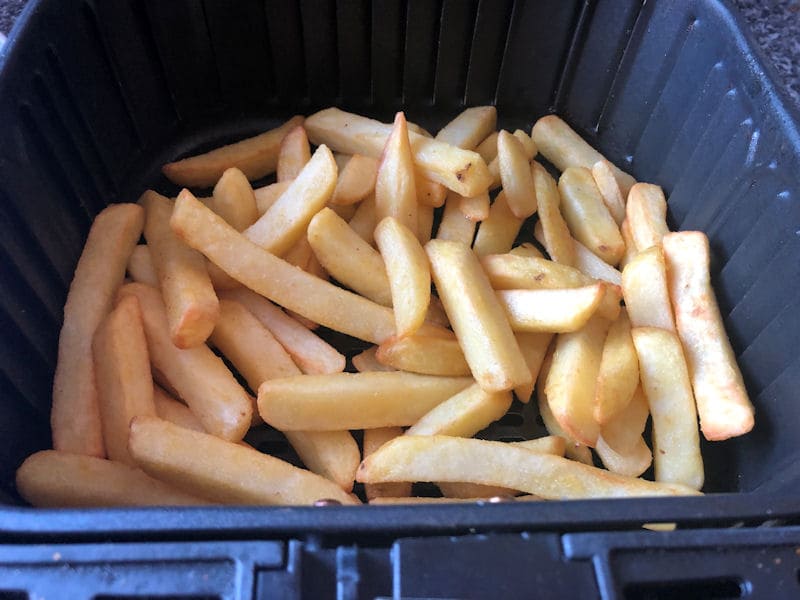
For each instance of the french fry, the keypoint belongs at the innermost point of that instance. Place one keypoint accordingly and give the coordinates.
(365, 219)
(620, 445)
(529, 150)
(488, 147)
(534, 348)
(234, 200)
(455, 226)
(424, 354)
(53, 479)
(445, 458)
(332, 454)
(347, 257)
(424, 224)
(556, 237)
(464, 414)
(374, 439)
(647, 215)
(498, 231)
(527, 143)
(515, 175)
(356, 180)
(75, 415)
(192, 305)
(122, 373)
(644, 287)
(722, 401)
(221, 471)
(571, 382)
(630, 245)
(564, 148)
(267, 195)
(462, 171)
(140, 266)
(255, 157)
(293, 154)
(285, 222)
(429, 193)
(420, 130)
(619, 371)
(345, 211)
(525, 249)
(665, 381)
(408, 272)
(587, 216)
(353, 400)
(368, 361)
(395, 190)
(469, 127)
(554, 311)
(200, 377)
(475, 208)
(478, 319)
(172, 410)
(603, 174)
(586, 261)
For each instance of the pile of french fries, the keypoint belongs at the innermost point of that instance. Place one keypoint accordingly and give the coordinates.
(146, 412)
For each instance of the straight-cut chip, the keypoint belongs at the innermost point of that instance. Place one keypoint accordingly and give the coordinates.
(534, 349)
(332, 454)
(647, 215)
(455, 226)
(234, 200)
(356, 180)
(644, 287)
(395, 190)
(174, 411)
(557, 239)
(293, 155)
(498, 231)
(267, 195)
(475, 208)
(619, 371)
(368, 361)
(429, 193)
(424, 354)
(630, 245)
(554, 311)
(374, 439)
(620, 445)
(603, 174)
(515, 175)
(365, 219)
(464, 414)
(488, 147)
(469, 127)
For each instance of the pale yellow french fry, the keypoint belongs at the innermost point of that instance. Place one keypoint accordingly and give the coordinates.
(429, 193)
(469, 127)
(571, 382)
(192, 305)
(234, 200)
(564, 148)
(586, 261)
(224, 472)
(267, 195)
(722, 401)
(300, 254)
(285, 222)
(488, 147)
(527, 142)
(620, 445)
(646, 213)
(374, 439)
(665, 381)
(630, 245)
(199, 376)
(345, 211)
(332, 454)
(455, 226)
(293, 155)
(140, 266)
(464, 414)
(75, 414)
(554, 311)
(408, 272)
(587, 216)
(424, 223)
(365, 219)
(526, 249)
(515, 175)
(603, 174)
(395, 189)
(353, 400)
(462, 171)
(52, 479)
(122, 374)
(619, 371)
(255, 157)
(477, 317)
(498, 231)
(174, 411)
(445, 458)
(475, 208)
(368, 361)
(356, 180)
(644, 287)
(424, 354)
(420, 130)
(534, 348)
(556, 237)
(348, 258)
(528, 147)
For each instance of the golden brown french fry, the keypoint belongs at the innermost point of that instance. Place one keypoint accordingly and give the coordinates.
(424, 224)
(619, 371)
(445, 458)
(630, 245)
(395, 189)
(665, 381)
(408, 272)
(424, 354)
(462, 171)
(722, 401)
(455, 226)
(554, 311)
(365, 219)
(529, 149)
(534, 348)
(255, 157)
(332, 454)
(346, 256)
(368, 361)
(122, 373)
(515, 175)
(174, 411)
(464, 414)
(646, 213)
(488, 147)
(564, 148)
(53, 479)
(429, 193)
(478, 319)
(222, 471)
(475, 208)
(285, 222)
(353, 400)
(374, 439)
(140, 266)
(356, 180)
(525, 249)
(586, 261)
(293, 154)
(469, 127)
(267, 195)
(570, 386)
(498, 231)
(234, 200)
(557, 239)
(587, 216)
(603, 174)
(644, 287)
(75, 415)
(200, 377)
(620, 445)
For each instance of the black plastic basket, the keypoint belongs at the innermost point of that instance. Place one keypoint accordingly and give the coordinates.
(95, 95)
